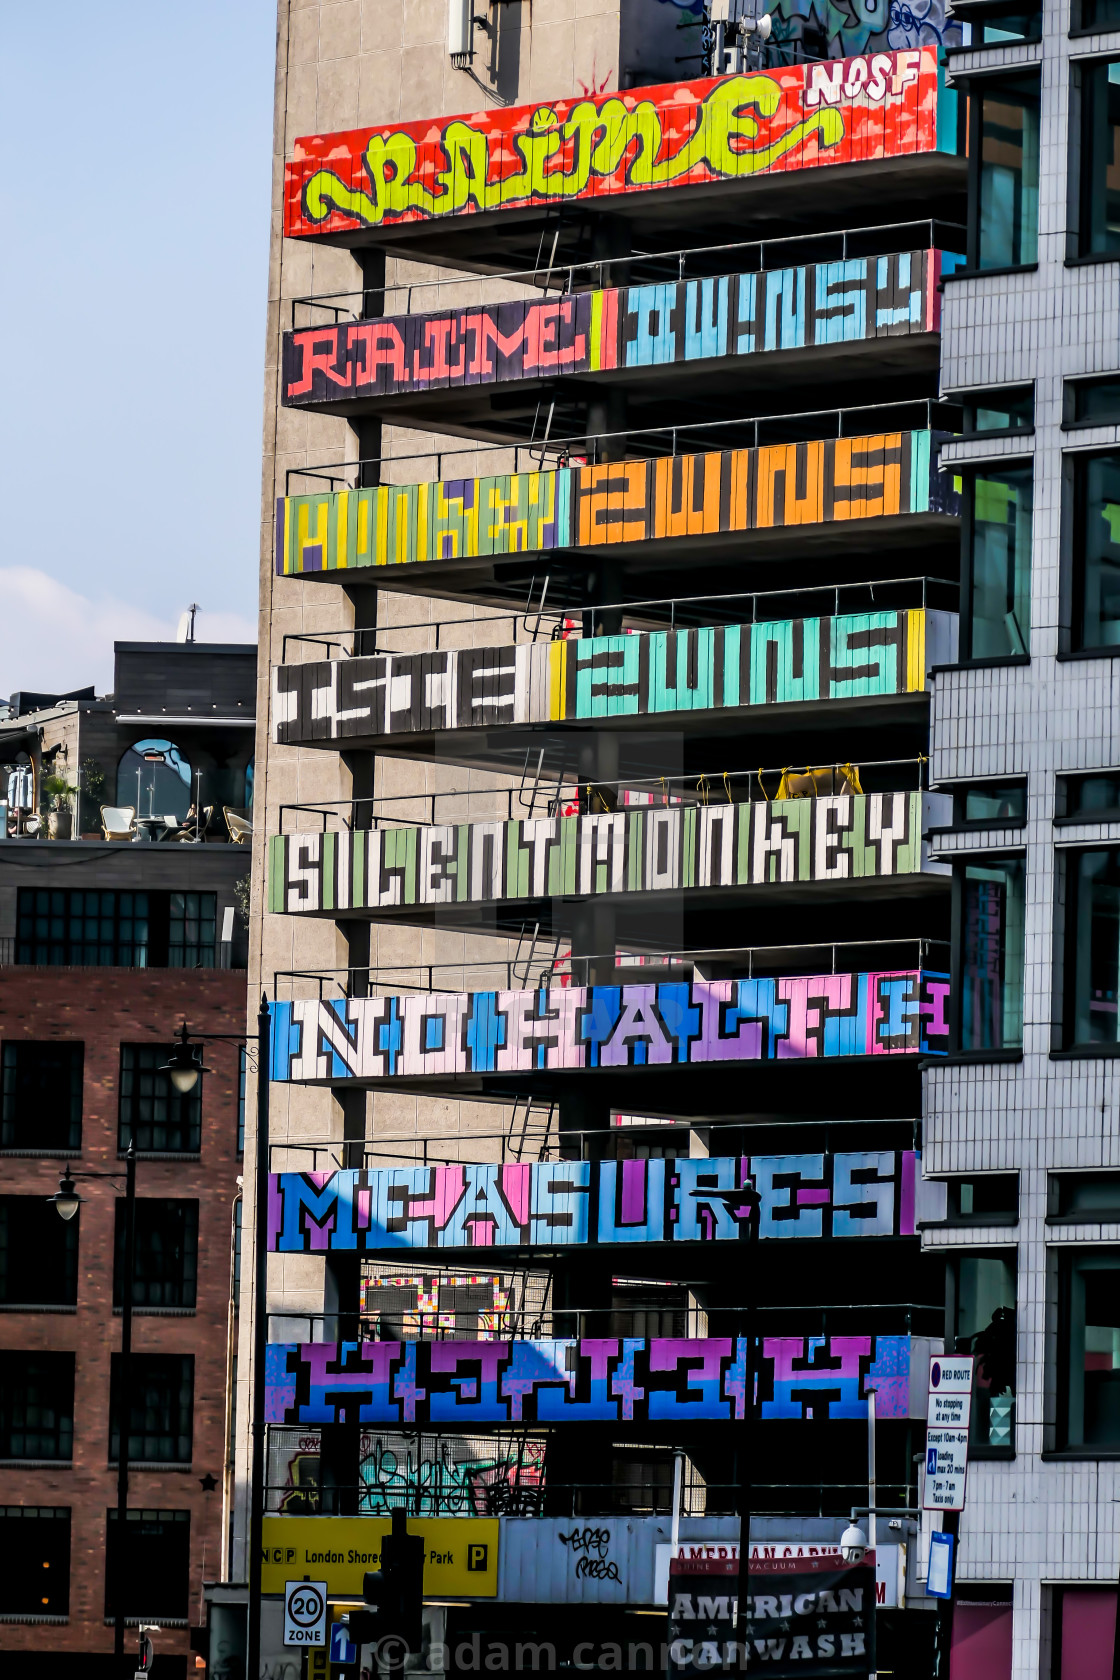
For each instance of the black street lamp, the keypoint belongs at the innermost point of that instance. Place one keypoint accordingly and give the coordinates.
(66, 1201)
(183, 1071)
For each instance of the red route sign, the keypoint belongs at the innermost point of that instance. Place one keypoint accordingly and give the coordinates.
(852, 110)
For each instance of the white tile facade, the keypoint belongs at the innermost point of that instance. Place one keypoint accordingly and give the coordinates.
(1035, 1521)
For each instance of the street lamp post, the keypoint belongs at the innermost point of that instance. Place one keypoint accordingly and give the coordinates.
(183, 1071)
(66, 1202)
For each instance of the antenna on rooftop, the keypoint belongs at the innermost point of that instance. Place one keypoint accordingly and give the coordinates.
(185, 632)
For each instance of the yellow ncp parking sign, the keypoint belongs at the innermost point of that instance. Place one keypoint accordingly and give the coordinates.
(460, 1553)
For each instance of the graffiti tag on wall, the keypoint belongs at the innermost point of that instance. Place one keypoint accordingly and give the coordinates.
(460, 1384)
(901, 1012)
(854, 656)
(721, 129)
(860, 298)
(856, 1193)
(676, 496)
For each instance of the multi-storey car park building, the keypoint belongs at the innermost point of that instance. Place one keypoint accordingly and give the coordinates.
(113, 933)
(633, 543)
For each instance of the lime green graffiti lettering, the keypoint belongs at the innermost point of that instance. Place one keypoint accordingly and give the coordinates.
(558, 158)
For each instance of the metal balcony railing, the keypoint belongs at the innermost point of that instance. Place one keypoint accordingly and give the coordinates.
(595, 448)
(670, 612)
(501, 974)
(457, 805)
(738, 256)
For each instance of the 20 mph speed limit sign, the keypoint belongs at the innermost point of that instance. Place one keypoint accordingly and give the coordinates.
(305, 1612)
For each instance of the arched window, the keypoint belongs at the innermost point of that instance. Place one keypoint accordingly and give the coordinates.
(155, 777)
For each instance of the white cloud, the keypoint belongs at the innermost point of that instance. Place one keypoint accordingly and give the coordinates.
(56, 640)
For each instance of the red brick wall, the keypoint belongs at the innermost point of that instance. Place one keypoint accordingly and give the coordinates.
(103, 1008)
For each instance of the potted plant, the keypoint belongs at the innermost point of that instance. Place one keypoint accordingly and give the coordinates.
(60, 816)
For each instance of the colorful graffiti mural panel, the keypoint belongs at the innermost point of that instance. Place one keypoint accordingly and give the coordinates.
(733, 490)
(834, 837)
(598, 147)
(842, 302)
(853, 656)
(658, 1024)
(561, 1204)
(468, 1384)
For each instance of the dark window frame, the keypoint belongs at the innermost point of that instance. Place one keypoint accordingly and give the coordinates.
(60, 1367)
(1065, 971)
(1068, 1262)
(1071, 391)
(972, 400)
(988, 469)
(1075, 478)
(173, 1113)
(13, 1051)
(1081, 196)
(1066, 784)
(956, 1003)
(175, 1607)
(1008, 1254)
(178, 1431)
(22, 1553)
(989, 1217)
(1092, 1214)
(159, 1220)
(62, 1231)
(979, 89)
(961, 790)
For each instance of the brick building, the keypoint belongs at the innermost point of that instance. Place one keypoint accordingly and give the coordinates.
(106, 948)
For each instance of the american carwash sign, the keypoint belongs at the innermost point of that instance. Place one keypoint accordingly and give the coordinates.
(763, 1552)
(460, 1553)
(801, 1617)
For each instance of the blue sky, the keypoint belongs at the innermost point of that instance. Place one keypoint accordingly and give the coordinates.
(134, 197)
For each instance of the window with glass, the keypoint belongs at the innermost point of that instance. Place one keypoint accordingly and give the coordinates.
(1091, 17)
(988, 804)
(157, 1559)
(161, 1408)
(1096, 551)
(990, 946)
(1091, 402)
(989, 1199)
(164, 1256)
(998, 562)
(155, 779)
(1084, 1196)
(151, 1113)
(58, 926)
(1092, 798)
(1010, 409)
(41, 1101)
(1089, 1339)
(1003, 195)
(35, 1547)
(1099, 221)
(982, 1313)
(191, 933)
(36, 1405)
(38, 1254)
(1092, 947)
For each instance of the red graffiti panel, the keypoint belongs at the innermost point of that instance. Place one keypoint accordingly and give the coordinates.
(681, 134)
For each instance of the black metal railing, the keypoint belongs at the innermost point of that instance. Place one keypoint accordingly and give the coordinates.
(598, 448)
(658, 613)
(751, 256)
